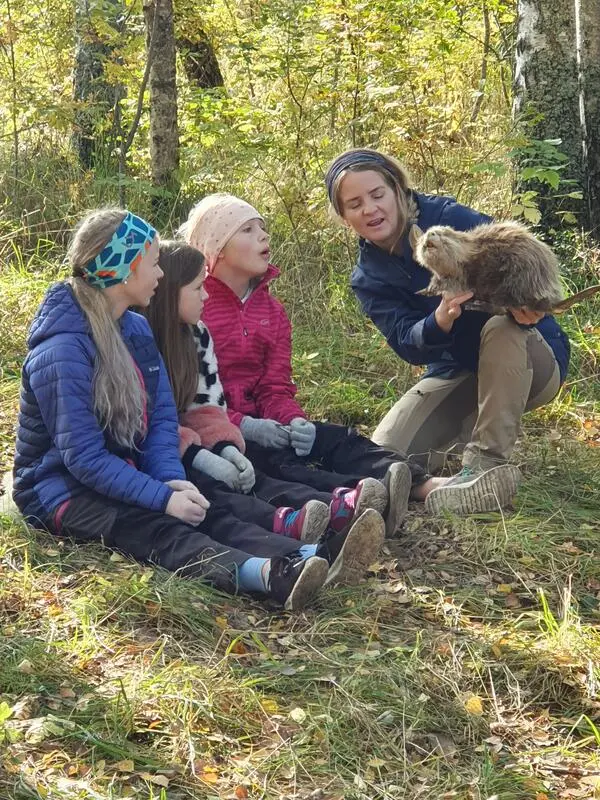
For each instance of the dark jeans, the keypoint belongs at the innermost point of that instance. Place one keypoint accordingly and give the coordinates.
(258, 506)
(214, 550)
(340, 457)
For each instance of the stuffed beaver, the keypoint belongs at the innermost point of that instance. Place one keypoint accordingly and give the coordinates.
(502, 263)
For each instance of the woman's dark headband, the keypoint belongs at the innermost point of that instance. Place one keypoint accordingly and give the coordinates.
(355, 158)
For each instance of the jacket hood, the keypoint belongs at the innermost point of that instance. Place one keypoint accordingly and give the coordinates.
(58, 312)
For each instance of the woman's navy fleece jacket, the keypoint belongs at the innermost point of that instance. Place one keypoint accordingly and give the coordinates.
(386, 287)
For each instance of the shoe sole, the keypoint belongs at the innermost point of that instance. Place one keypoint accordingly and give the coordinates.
(316, 521)
(490, 491)
(360, 549)
(373, 495)
(398, 485)
(310, 580)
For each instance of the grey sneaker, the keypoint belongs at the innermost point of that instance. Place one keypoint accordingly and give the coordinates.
(398, 482)
(316, 520)
(349, 553)
(473, 491)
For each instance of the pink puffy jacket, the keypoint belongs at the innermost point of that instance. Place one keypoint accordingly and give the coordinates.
(253, 344)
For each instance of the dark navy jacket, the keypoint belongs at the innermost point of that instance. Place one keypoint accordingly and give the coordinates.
(61, 448)
(386, 287)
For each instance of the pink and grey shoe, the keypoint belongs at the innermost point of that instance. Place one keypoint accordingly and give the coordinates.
(348, 504)
(306, 524)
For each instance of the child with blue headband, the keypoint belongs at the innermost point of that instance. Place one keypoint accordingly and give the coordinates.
(97, 441)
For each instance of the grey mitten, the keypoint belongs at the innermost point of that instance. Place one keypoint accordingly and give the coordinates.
(218, 468)
(302, 436)
(265, 432)
(247, 478)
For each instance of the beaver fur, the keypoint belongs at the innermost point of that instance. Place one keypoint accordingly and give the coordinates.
(502, 263)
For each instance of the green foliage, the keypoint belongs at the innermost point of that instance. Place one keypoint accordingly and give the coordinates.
(118, 679)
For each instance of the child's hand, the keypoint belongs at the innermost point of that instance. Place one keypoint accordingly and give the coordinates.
(188, 506)
(219, 468)
(302, 436)
(179, 485)
(246, 476)
(265, 432)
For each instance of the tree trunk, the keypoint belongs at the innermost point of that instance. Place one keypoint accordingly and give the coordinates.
(589, 27)
(164, 134)
(546, 85)
(90, 89)
(199, 61)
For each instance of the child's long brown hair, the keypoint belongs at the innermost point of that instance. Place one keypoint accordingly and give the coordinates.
(181, 264)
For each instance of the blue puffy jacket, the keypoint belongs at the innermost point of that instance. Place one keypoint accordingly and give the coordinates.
(61, 448)
(386, 285)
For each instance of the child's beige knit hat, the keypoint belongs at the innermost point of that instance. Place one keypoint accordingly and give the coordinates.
(213, 221)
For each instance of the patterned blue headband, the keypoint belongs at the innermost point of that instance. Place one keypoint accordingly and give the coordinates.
(122, 254)
(354, 158)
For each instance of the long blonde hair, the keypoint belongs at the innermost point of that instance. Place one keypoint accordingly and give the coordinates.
(119, 399)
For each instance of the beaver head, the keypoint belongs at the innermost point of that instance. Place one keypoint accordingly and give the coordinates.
(444, 251)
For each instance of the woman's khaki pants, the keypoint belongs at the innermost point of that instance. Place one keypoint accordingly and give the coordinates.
(477, 414)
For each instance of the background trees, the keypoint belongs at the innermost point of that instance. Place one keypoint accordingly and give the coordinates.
(557, 85)
(260, 95)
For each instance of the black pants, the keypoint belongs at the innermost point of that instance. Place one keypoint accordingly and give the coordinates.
(258, 506)
(214, 550)
(340, 457)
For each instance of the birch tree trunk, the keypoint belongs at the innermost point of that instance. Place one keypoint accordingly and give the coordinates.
(589, 28)
(557, 79)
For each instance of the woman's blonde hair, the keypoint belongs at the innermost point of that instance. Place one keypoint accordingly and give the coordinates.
(393, 173)
(119, 401)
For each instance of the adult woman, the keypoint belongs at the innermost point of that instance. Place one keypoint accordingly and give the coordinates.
(483, 371)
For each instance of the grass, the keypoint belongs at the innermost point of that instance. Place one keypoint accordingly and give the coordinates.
(466, 666)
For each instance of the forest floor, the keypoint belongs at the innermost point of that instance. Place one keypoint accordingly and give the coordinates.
(467, 665)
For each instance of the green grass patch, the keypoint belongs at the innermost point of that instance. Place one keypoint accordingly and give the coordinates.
(466, 665)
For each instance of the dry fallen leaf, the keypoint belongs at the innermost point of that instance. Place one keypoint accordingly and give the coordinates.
(209, 775)
(474, 705)
(159, 780)
(126, 765)
(298, 715)
(270, 706)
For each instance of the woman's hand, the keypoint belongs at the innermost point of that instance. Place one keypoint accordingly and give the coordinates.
(188, 505)
(450, 309)
(525, 316)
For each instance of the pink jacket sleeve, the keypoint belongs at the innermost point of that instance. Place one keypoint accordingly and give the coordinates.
(211, 425)
(275, 392)
(187, 437)
(235, 417)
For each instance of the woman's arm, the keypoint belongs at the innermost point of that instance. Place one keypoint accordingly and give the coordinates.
(411, 333)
